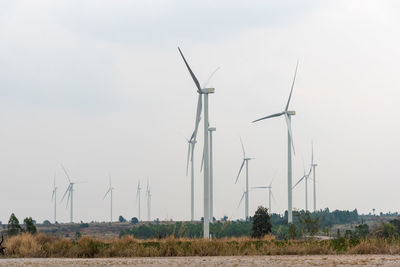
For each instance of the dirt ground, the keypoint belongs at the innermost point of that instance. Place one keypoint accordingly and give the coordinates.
(318, 260)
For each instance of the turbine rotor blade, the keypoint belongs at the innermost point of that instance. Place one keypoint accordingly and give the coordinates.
(291, 90)
(244, 153)
(190, 71)
(66, 191)
(198, 118)
(202, 161)
(241, 167)
(209, 78)
(66, 173)
(240, 202)
(272, 194)
(107, 193)
(289, 127)
(187, 160)
(301, 179)
(270, 116)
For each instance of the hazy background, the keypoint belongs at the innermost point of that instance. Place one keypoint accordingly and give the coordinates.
(100, 87)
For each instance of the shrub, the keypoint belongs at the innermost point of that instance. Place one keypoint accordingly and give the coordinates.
(30, 225)
(13, 227)
(261, 223)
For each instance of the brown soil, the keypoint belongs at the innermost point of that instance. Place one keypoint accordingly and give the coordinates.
(320, 260)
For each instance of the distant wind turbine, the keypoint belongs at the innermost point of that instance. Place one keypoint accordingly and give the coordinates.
(70, 191)
(269, 187)
(203, 91)
(287, 114)
(138, 198)
(148, 195)
(54, 198)
(305, 178)
(313, 165)
(246, 192)
(110, 191)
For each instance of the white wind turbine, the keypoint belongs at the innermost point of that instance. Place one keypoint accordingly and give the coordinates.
(138, 198)
(287, 114)
(246, 192)
(205, 92)
(305, 177)
(54, 198)
(70, 191)
(148, 195)
(269, 187)
(313, 165)
(110, 191)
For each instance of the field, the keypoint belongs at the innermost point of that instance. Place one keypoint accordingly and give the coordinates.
(316, 260)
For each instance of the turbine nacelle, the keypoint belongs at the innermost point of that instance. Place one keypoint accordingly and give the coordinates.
(291, 112)
(207, 91)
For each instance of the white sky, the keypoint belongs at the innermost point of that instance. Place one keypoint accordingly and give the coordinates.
(100, 87)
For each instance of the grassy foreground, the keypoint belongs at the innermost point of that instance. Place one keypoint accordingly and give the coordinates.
(42, 245)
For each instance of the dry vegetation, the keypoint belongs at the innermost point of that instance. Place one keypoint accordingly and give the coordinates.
(43, 245)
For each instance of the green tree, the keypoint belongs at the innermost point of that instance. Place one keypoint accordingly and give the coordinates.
(310, 225)
(386, 230)
(361, 230)
(13, 227)
(134, 220)
(261, 223)
(30, 225)
(121, 219)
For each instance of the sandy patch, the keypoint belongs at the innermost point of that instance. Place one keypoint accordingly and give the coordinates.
(317, 260)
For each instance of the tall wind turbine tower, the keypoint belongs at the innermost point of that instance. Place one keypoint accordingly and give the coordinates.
(246, 192)
(211, 130)
(148, 195)
(138, 198)
(110, 191)
(313, 165)
(54, 198)
(70, 191)
(287, 114)
(205, 92)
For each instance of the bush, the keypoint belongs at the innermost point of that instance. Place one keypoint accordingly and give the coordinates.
(121, 219)
(261, 223)
(13, 227)
(30, 225)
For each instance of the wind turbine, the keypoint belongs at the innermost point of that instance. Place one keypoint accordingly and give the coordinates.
(148, 195)
(313, 165)
(110, 191)
(305, 178)
(54, 198)
(269, 187)
(138, 198)
(287, 115)
(70, 191)
(205, 92)
(191, 145)
(246, 192)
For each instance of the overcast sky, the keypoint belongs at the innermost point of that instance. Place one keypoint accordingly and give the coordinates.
(100, 87)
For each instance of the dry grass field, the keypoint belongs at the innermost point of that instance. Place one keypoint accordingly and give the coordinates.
(316, 260)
